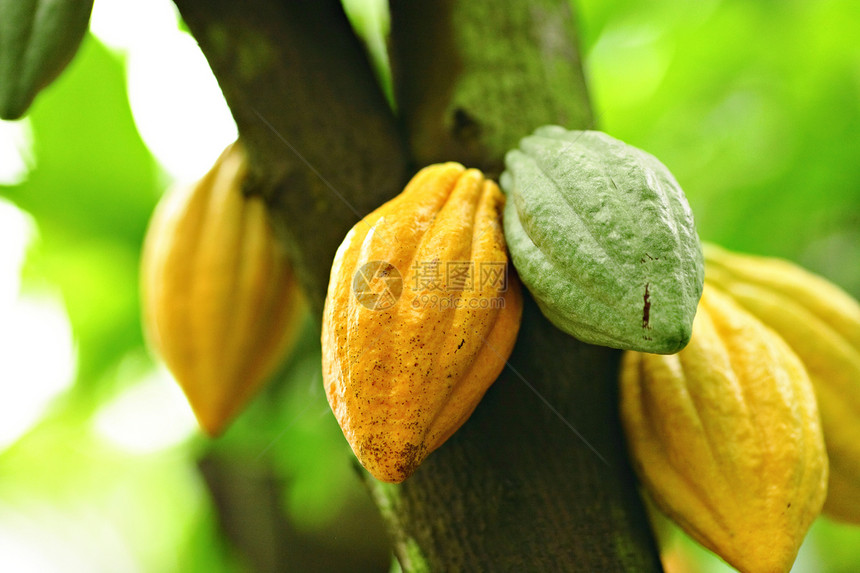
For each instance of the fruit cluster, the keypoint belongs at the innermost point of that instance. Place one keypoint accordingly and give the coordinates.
(740, 379)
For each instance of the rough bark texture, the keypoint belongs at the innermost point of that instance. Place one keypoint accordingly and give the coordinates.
(517, 488)
(324, 145)
(473, 78)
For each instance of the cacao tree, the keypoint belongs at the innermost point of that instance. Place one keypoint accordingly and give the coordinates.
(538, 478)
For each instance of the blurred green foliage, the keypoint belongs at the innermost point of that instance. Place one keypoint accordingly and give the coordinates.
(754, 105)
(91, 192)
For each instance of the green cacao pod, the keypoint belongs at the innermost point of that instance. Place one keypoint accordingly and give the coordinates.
(821, 323)
(602, 235)
(38, 38)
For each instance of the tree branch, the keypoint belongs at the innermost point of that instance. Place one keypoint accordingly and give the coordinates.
(473, 78)
(519, 487)
(538, 478)
(323, 142)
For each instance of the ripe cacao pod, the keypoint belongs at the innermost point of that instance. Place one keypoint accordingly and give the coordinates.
(821, 323)
(603, 237)
(38, 38)
(420, 317)
(726, 439)
(220, 303)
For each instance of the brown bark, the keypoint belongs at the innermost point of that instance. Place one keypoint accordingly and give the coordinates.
(324, 144)
(473, 78)
(517, 488)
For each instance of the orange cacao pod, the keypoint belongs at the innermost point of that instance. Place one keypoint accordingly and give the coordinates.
(411, 340)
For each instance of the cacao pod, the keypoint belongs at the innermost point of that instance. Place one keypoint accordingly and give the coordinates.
(220, 303)
(38, 38)
(821, 323)
(726, 439)
(603, 237)
(420, 317)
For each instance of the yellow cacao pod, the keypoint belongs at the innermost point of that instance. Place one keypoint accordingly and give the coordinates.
(725, 437)
(421, 314)
(821, 323)
(220, 303)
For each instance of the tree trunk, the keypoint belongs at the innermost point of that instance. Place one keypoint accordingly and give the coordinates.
(538, 478)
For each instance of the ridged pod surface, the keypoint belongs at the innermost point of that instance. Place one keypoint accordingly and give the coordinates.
(821, 323)
(38, 38)
(410, 343)
(726, 439)
(603, 237)
(220, 303)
